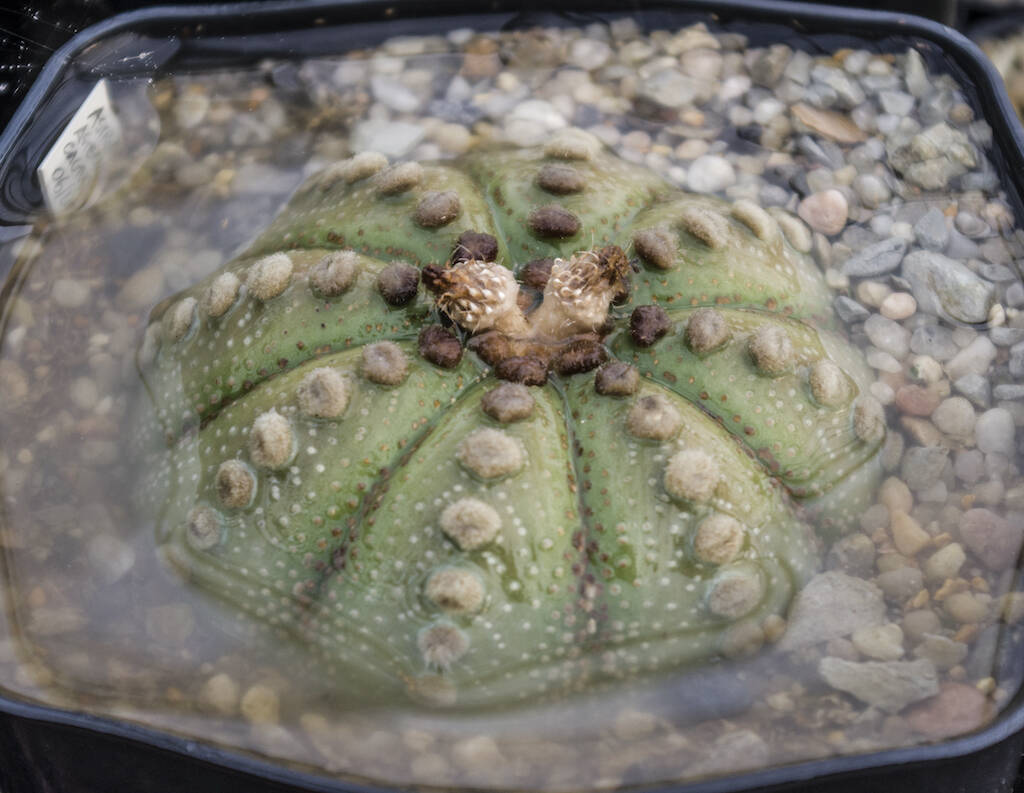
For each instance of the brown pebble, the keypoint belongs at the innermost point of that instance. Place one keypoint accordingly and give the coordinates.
(617, 379)
(437, 208)
(475, 246)
(492, 346)
(508, 402)
(398, 283)
(648, 324)
(916, 401)
(657, 247)
(580, 355)
(535, 274)
(440, 347)
(525, 369)
(553, 221)
(956, 709)
(559, 179)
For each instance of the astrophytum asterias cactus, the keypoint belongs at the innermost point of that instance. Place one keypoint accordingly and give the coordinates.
(510, 423)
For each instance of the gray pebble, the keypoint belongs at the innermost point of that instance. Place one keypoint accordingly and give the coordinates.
(932, 231)
(871, 190)
(922, 466)
(877, 259)
(850, 310)
(896, 102)
(970, 225)
(969, 466)
(900, 584)
(995, 432)
(887, 685)
(1008, 391)
(935, 341)
(888, 335)
(945, 287)
(70, 293)
(830, 606)
(390, 138)
(1006, 337)
(976, 388)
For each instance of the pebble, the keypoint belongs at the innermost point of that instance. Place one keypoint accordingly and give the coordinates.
(935, 341)
(710, 174)
(391, 138)
(826, 211)
(967, 607)
(898, 306)
(920, 622)
(916, 401)
(589, 54)
(907, 534)
(942, 651)
(670, 88)
(945, 563)
(976, 388)
(880, 642)
(853, 554)
(887, 685)
(995, 540)
(975, 358)
(871, 190)
(957, 709)
(70, 293)
(261, 704)
(945, 287)
(901, 584)
(932, 230)
(877, 259)
(849, 310)
(955, 417)
(831, 606)
(995, 432)
(1010, 391)
(887, 335)
(922, 466)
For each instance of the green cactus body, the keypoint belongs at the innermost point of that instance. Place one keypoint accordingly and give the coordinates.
(425, 529)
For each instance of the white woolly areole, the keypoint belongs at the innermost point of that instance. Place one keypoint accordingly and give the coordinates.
(323, 393)
(180, 318)
(384, 363)
(455, 589)
(202, 530)
(653, 416)
(235, 484)
(221, 294)
(719, 539)
(470, 523)
(271, 442)
(491, 453)
(829, 386)
(268, 277)
(735, 592)
(334, 273)
(771, 349)
(442, 644)
(692, 474)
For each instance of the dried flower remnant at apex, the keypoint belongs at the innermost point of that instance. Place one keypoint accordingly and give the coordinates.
(406, 449)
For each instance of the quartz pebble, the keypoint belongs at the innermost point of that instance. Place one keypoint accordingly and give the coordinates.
(888, 685)
(832, 605)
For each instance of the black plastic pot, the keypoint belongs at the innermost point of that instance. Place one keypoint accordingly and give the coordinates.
(45, 749)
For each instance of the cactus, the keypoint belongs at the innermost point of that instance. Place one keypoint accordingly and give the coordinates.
(514, 423)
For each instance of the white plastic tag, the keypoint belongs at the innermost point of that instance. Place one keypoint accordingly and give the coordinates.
(70, 170)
